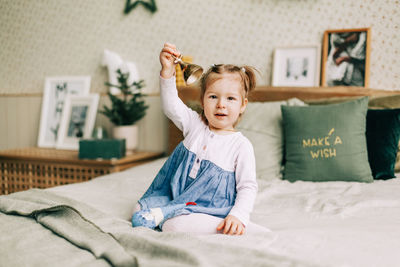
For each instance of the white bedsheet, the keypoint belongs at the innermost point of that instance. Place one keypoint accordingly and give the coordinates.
(323, 224)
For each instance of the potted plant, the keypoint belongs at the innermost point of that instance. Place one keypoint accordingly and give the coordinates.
(126, 109)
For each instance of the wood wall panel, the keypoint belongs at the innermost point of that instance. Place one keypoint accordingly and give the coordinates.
(3, 120)
(20, 119)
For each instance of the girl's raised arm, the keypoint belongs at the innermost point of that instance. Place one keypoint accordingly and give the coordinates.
(167, 59)
(173, 107)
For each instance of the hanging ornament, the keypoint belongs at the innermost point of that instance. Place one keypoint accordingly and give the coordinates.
(149, 5)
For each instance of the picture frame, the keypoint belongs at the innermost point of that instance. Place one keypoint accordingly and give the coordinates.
(346, 57)
(297, 66)
(77, 121)
(55, 92)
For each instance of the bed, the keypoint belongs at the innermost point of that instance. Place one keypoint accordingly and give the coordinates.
(324, 223)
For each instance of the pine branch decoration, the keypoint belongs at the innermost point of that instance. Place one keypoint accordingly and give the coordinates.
(129, 107)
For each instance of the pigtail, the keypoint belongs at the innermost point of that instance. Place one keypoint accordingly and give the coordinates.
(249, 78)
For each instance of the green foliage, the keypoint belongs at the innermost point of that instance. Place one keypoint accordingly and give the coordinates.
(129, 107)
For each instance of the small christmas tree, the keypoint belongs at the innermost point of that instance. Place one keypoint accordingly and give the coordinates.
(128, 108)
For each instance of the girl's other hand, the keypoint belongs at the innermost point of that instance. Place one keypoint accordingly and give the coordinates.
(231, 226)
(167, 60)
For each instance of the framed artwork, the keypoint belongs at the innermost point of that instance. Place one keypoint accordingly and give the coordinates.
(77, 121)
(296, 66)
(55, 92)
(345, 59)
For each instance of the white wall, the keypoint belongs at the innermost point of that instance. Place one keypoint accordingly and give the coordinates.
(67, 37)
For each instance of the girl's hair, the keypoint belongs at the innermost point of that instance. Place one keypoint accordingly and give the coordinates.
(246, 74)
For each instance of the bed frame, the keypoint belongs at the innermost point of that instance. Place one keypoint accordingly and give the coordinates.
(269, 93)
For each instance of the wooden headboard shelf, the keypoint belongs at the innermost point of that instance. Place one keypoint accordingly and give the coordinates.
(270, 93)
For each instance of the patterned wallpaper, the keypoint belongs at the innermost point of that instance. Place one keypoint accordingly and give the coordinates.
(67, 37)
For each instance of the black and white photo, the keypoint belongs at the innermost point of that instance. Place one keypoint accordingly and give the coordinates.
(296, 66)
(54, 96)
(346, 57)
(77, 120)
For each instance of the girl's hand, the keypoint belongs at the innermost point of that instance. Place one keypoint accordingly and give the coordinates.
(231, 226)
(167, 60)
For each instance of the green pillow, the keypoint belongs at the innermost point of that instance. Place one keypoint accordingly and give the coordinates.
(383, 134)
(326, 143)
(392, 101)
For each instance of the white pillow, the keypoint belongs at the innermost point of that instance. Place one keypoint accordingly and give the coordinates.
(261, 123)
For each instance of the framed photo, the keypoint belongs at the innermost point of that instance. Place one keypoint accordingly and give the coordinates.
(77, 121)
(345, 59)
(296, 66)
(55, 92)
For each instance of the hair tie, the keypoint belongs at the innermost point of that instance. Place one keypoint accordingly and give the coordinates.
(243, 69)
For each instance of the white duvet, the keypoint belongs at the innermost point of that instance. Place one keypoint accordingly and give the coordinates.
(314, 224)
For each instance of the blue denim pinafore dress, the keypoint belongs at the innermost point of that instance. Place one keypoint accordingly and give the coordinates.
(213, 189)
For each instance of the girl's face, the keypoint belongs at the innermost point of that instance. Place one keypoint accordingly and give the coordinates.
(223, 102)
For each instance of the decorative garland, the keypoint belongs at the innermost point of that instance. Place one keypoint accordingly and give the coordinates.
(151, 6)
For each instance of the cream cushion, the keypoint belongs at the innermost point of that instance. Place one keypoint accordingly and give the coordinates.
(261, 123)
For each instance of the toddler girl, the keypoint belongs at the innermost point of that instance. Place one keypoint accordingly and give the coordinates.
(208, 184)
